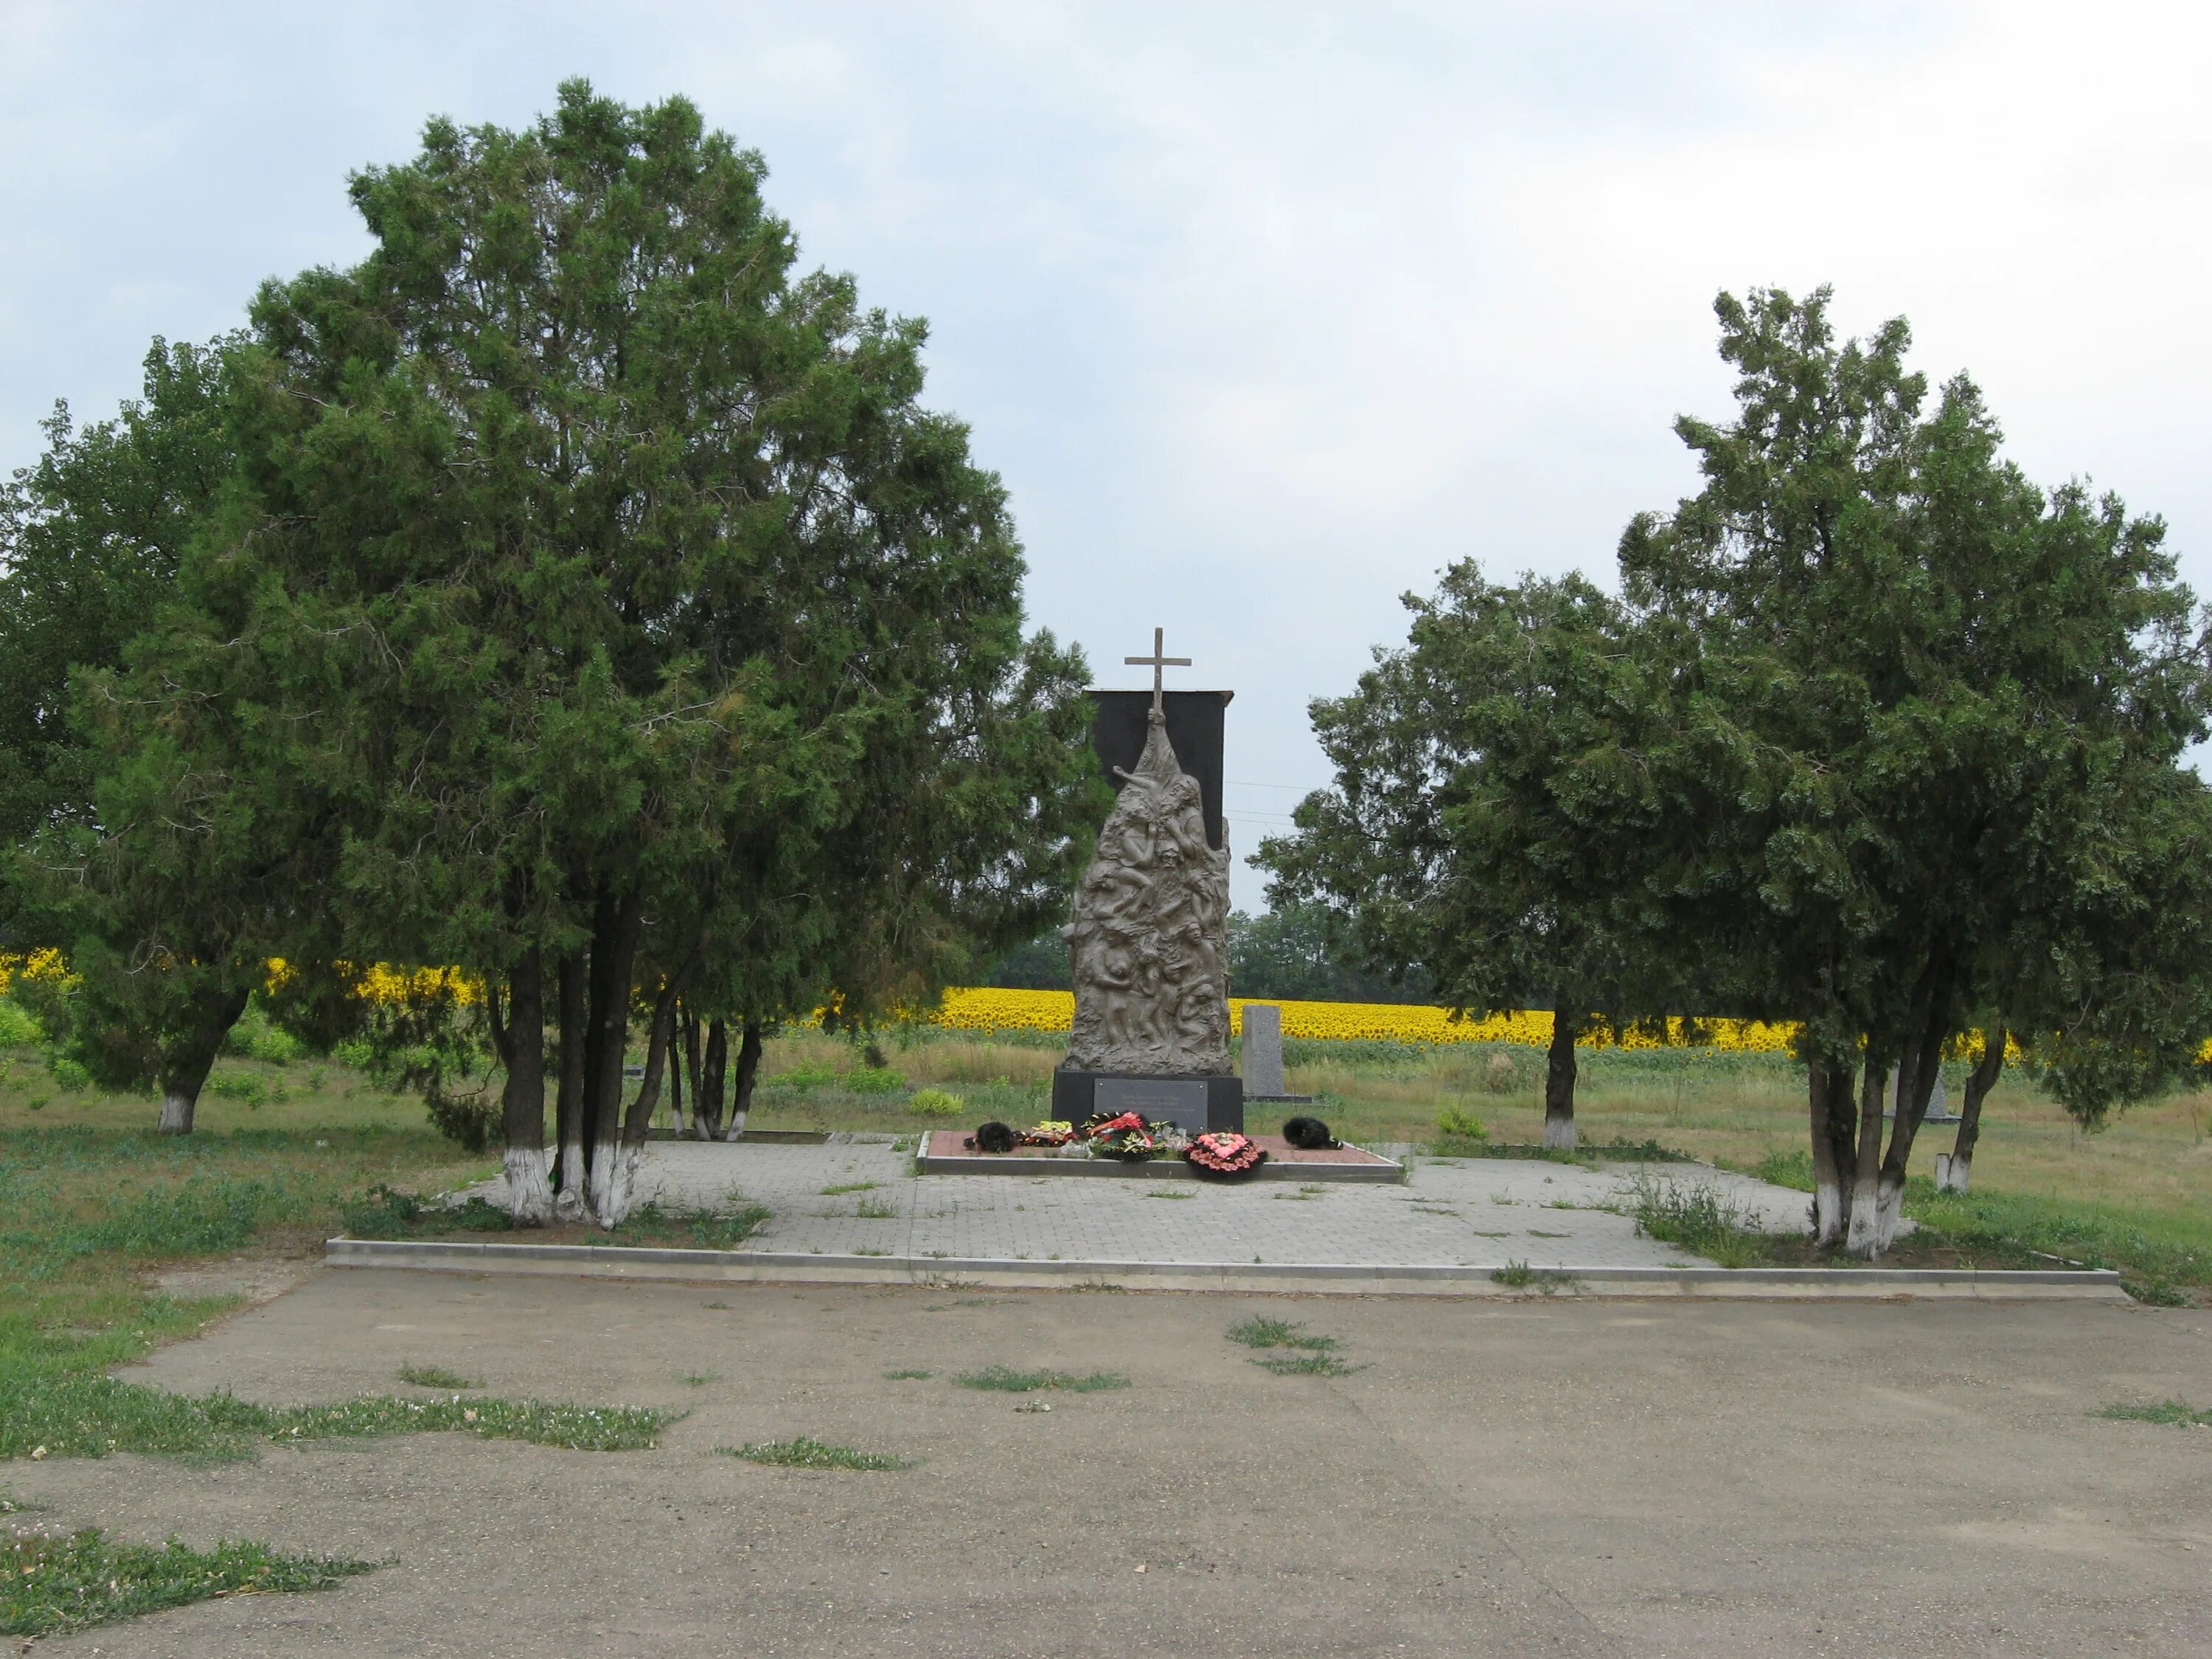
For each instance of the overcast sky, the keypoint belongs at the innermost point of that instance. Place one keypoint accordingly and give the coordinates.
(1264, 313)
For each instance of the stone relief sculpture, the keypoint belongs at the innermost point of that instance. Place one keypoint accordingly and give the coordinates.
(1149, 945)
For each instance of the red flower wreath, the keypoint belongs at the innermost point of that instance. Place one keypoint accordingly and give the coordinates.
(1226, 1153)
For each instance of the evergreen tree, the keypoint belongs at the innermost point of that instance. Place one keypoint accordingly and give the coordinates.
(646, 638)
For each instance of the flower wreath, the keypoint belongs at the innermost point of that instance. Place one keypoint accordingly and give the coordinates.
(1124, 1137)
(1051, 1132)
(1226, 1154)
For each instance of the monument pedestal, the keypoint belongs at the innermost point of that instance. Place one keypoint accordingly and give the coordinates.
(1197, 1105)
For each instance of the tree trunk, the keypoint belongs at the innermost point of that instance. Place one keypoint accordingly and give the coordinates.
(687, 1028)
(621, 1189)
(1862, 1238)
(614, 953)
(568, 1112)
(741, 1099)
(713, 1076)
(1916, 1085)
(529, 1193)
(1834, 1124)
(187, 1061)
(1955, 1176)
(1560, 1082)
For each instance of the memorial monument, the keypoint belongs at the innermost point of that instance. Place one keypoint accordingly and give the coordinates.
(1148, 944)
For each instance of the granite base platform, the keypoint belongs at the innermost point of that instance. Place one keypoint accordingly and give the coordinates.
(1197, 1105)
(941, 1153)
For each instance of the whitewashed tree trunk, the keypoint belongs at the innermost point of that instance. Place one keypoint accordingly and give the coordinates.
(1863, 1236)
(1559, 1080)
(1954, 1174)
(607, 1166)
(1889, 1212)
(737, 1129)
(568, 1203)
(176, 1110)
(529, 1186)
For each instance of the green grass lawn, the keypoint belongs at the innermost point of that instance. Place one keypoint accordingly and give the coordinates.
(290, 1151)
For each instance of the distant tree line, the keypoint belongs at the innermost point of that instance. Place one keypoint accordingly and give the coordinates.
(1877, 737)
(573, 593)
(1285, 953)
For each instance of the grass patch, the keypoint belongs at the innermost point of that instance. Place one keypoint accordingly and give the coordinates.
(1306, 1365)
(909, 1375)
(848, 1186)
(1517, 1274)
(807, 1453)
(437, 1377)
(384, 1212)
(1278, 1333)
(90, 1416)
(874, 1209)
(55, 1583)
(2167, 1411)
(697, 1379)
(1170, 1193)
(1005, 1379)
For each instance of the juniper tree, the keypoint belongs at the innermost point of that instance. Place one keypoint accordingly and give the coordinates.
(134, 858)
(1946, 712)
(1483, 829)
(676, 647)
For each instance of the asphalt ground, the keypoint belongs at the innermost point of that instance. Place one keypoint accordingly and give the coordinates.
(1548, 1476)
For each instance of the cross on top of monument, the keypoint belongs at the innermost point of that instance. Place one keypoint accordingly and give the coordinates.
(1156, 662)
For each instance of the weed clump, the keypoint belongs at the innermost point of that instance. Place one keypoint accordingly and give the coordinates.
(1004, 1379)
(2172, 1411)
(1701, 1219)
(1278, 1333)
(1306, 1365)
(807, 1453)
(437, 1377)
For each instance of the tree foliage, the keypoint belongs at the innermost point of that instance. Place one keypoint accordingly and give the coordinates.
(607, 616)
(1882, 738)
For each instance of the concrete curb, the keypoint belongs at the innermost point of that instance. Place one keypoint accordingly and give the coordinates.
(767, 1267)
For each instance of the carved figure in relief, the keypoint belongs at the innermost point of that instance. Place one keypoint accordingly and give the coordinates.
(1148, 945)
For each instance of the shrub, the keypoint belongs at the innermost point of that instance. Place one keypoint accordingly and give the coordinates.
(1500, 1074)
(936, 1103)
(231, 1085)
(278, 1048)
(874, 1080)
(69, 1073)
(18, 1027)
(1455, 1125)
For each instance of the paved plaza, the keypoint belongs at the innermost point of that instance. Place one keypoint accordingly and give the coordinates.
(1462, 1213)
(1584, 1477)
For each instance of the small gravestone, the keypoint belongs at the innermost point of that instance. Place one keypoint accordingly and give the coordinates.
(1263, 1054)
(1939, 1107)
(1263, 1051)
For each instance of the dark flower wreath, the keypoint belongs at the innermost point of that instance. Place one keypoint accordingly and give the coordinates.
(1226, 1154)
(1125, 1136)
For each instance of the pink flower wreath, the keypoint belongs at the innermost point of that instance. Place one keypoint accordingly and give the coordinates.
(1226, 1153)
